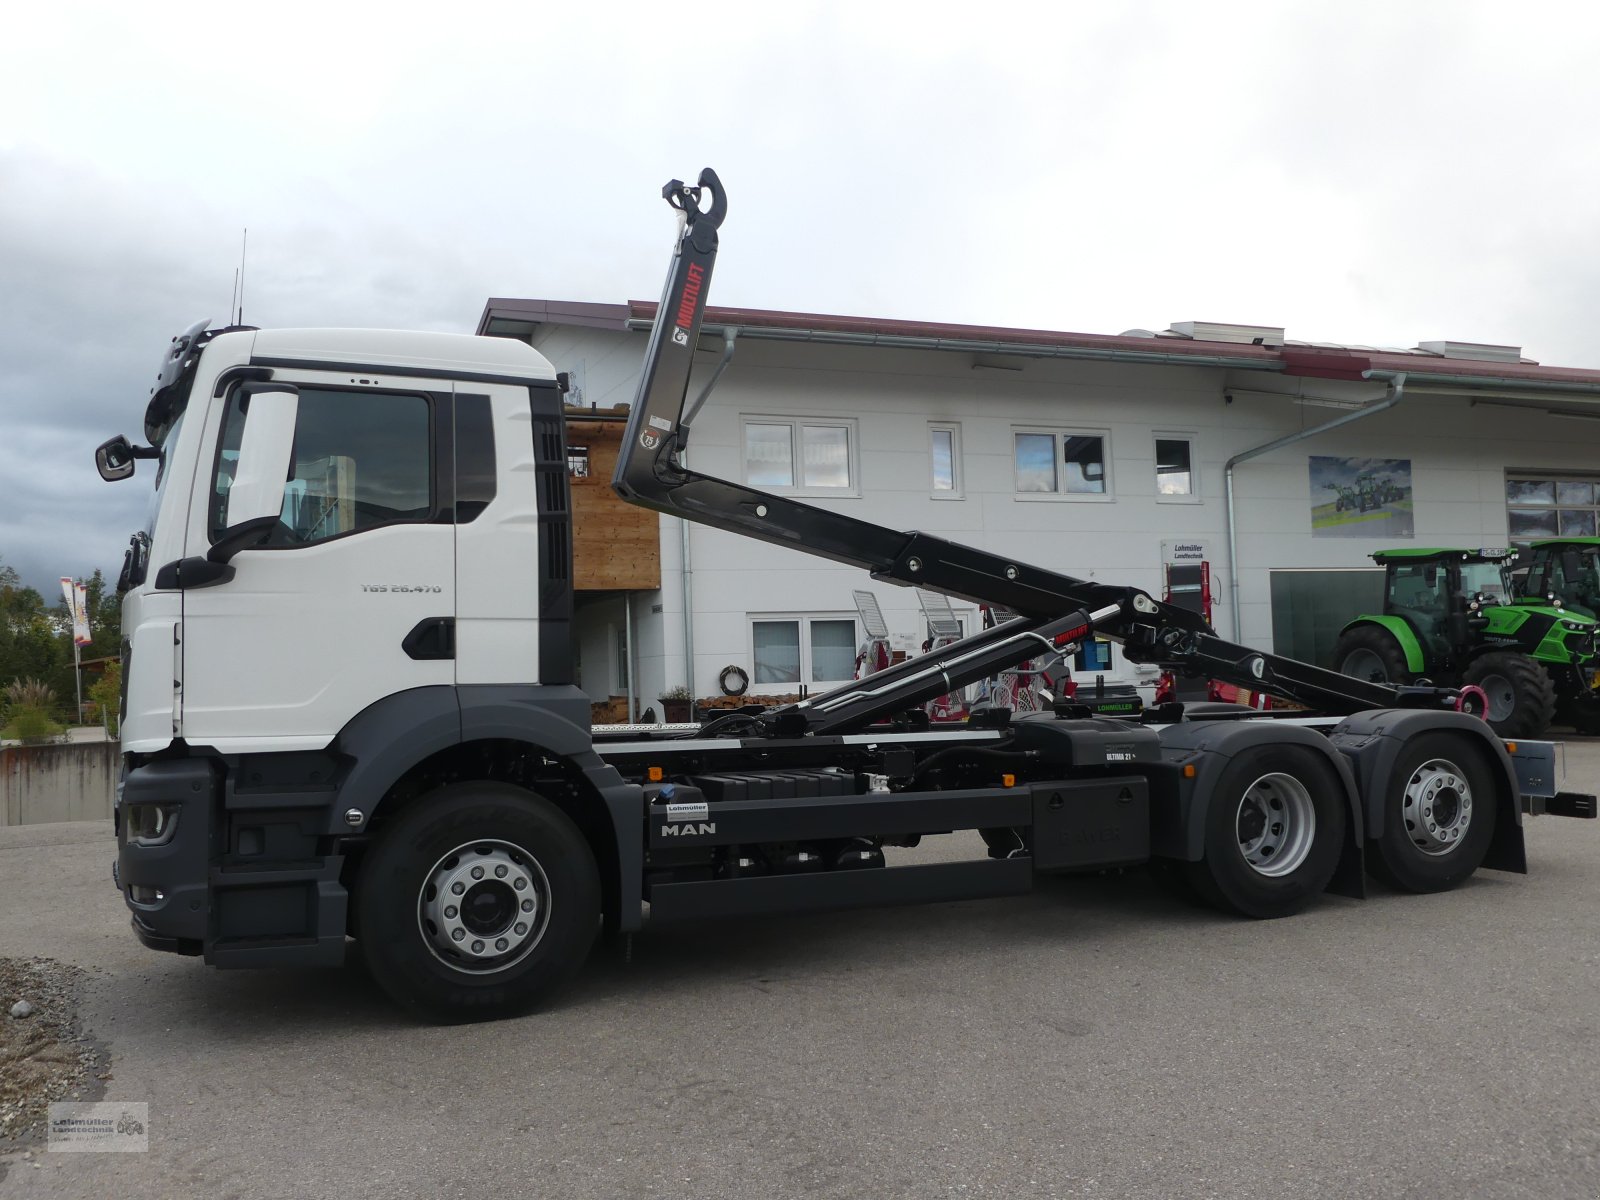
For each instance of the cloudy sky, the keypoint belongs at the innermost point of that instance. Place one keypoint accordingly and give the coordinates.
(1370, 173)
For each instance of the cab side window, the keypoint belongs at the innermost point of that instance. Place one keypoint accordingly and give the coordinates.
(361, 460)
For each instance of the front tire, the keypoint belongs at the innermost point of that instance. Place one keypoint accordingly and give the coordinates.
(1370, 653)
(1438, 817)
(476, 902)
(1522, 696)
(1274, 832)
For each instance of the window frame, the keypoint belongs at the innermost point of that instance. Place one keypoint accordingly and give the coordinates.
(1061, 433)
(439, 508)
(1555, 478)
(1192, 496)
(958, 490)
(797, 425)
(804, 620)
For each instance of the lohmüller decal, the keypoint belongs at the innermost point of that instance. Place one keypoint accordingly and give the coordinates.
(688, 812)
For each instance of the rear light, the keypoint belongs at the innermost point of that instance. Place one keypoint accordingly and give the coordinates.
(151, 824)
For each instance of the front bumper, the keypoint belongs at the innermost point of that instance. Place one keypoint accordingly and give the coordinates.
(170, 880)
(240, 875)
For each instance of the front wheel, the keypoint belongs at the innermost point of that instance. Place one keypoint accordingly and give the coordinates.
(1438, 816)
(1274, 831)
(476, 902)
(1370, 653)
(1521, 694)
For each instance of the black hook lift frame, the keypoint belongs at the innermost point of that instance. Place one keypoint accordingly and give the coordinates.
(650, 472)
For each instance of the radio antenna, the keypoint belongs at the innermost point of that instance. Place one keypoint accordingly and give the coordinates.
(244, 243)
(233, 300)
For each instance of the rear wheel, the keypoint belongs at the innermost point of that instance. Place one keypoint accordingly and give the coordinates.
(1438, 816)
(1274, 831)
(1521, 694)
(1370, 653)
(476, 902)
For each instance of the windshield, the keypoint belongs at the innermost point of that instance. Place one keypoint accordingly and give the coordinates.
(154, 508)
(1485, 578)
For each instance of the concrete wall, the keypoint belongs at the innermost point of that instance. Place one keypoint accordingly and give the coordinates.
(74, 782)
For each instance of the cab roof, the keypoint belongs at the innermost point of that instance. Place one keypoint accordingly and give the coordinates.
(1492, 554)
(451, 354)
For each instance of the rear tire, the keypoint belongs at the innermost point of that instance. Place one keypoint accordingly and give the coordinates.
(1274, 832)
(1371, 653)
(1438, 816)
(1522, 696)
(526, 910)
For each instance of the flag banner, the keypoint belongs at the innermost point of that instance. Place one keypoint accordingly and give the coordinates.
(77, 598)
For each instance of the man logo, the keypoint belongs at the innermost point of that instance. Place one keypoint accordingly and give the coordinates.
(691, 829)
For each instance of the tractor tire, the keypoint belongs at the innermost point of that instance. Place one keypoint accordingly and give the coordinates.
(1273, 834)
(1438, 815)
(1522, 696)
(1371, 653)
(477, 901)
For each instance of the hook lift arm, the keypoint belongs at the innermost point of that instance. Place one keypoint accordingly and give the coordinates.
(650, 472)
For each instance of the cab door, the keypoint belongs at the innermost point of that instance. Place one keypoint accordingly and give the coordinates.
(352, 596)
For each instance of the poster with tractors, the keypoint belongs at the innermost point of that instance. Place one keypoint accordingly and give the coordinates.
(1360, 497)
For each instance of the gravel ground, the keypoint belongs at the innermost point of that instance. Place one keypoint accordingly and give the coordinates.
(44, 1056)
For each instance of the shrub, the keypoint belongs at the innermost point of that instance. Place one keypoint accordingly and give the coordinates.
(106, 692)
(32, 725)
(30, 692)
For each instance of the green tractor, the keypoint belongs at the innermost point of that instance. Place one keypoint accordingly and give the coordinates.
(1447, 618)
(1565, 569)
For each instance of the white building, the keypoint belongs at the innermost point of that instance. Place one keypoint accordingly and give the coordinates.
(1099, 456)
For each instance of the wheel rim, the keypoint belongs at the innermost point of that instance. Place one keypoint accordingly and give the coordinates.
(1365, 664)
(1437, 806)
(1276, 823)
(1502, 694)
(484, 906)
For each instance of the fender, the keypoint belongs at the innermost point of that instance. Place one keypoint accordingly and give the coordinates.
(391, 736)
(1373, 742)
(1179, 829)
(1402, 633)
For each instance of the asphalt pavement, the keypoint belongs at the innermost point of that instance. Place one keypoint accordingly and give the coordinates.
(1096, 1038)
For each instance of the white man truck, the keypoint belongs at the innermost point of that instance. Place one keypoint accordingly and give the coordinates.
(350, 710)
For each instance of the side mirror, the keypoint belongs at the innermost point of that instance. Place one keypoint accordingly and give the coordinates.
(114, 459)
(265, 452)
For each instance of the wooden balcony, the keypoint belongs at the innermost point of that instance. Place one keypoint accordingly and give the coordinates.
(615, 546)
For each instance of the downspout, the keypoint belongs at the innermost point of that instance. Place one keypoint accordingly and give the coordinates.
(627, 650)
(729, 336)
(1397, 387)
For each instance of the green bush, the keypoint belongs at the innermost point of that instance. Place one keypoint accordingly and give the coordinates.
(106, 692)
(32, 725)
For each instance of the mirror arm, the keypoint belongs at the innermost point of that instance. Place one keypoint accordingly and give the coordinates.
(241, 537)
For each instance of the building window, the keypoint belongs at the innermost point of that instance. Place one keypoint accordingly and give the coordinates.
(578, 462)
(789, 651)
(944, 454)
(1062, 463)
(800, 455)
(1175, 476)
(1552, 506)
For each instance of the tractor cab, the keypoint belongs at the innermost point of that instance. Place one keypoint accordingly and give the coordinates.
(1436, 591)
(1564, 571)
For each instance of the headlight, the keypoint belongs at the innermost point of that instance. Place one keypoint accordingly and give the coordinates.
(151, 824)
